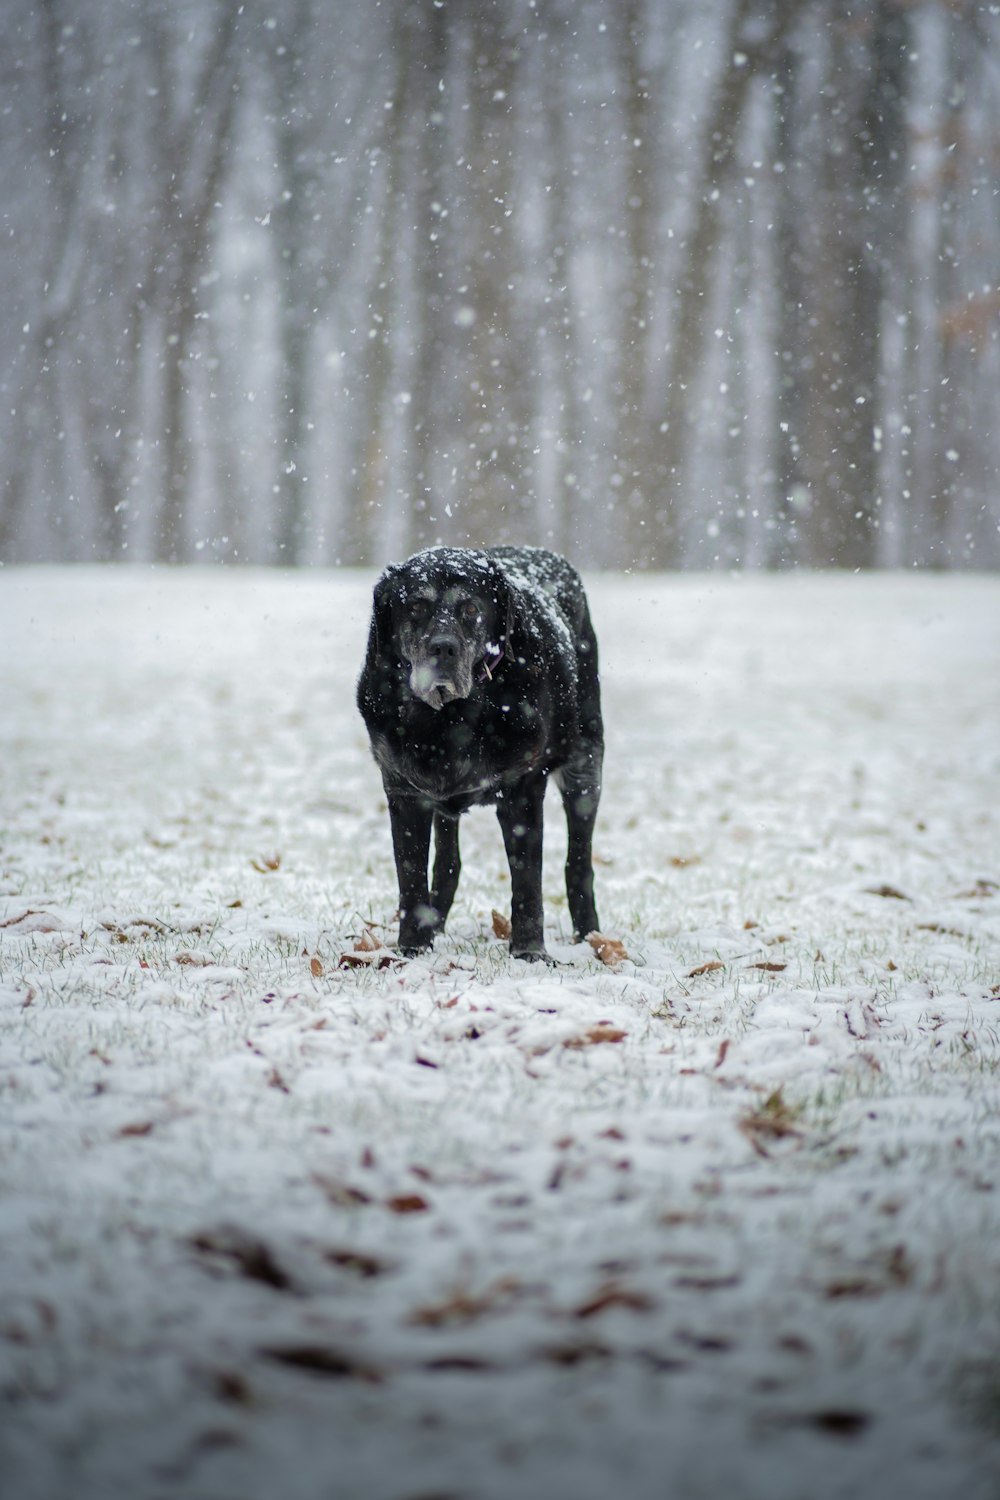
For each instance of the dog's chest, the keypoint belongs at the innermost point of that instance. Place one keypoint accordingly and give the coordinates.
(452, 759)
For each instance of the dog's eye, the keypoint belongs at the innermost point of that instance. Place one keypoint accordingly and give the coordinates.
(469, 609)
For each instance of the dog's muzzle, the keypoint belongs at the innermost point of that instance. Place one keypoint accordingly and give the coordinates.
(436, 684)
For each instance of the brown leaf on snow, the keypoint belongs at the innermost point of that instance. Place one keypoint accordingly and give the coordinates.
(375, 959)
(267, 865)
(609, 950)
(501, 926)
(140, 1128)
(316, 968)
(889, 892)
(341, 1194)
(613, 1294)
(33, 921)
(362, 1264)
(407, 1203)
(320, 1359)
(464, 1307)
(248, 1255)
(769, 968)
(708, 968)
(594, 1035)
(774, 1120)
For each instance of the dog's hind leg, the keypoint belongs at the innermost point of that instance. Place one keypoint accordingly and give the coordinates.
(519, 811)
(579, 782)
(447, 864)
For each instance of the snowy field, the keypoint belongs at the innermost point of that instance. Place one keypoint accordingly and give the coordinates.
(720, 1220)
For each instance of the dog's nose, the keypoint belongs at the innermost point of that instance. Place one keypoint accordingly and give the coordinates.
(443, 647)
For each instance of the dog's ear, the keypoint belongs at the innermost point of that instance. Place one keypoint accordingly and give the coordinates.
(505, 598)
(381, 631)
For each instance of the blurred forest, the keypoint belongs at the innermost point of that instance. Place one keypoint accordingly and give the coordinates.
(660, 283)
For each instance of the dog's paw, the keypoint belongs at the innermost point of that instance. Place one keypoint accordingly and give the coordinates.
(534, 956)
(413, 947)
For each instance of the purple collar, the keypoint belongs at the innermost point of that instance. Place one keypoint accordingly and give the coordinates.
(489, 663)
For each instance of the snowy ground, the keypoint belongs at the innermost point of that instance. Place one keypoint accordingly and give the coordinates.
(721, 1221)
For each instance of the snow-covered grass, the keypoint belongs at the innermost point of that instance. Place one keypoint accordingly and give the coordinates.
(721, 1220)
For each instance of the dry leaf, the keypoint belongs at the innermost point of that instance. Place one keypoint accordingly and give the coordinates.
(614, 1295)
(357, 1261)
(317, 1359)
(709, 968)
(609, 950)
(602, 1032)
(250, 1255)
(407, 1203)
(501, 926)
(769, 968)
(316, 968)
(267, 865)
(34, 921)
(774, 1120)
(339, 1193)
(143, 1127)
(464, 1307)
(374, 959)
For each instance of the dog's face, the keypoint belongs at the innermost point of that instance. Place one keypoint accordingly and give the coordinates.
(448, 626)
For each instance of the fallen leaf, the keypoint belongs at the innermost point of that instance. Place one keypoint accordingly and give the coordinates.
(319, 1359)
(316, 968)
(684, 861)
(362, 1264)
(769, 968)
(889, 892)
(609, 950)
(602, 1032)
(464, 1307)
(248, 1254)
(612, 1294)
(774, 1120)
(501, 926)
(267, 865)
(34, 921)
(707, 968)
(142, 1127)
(373, 959)
(838, 1423)
(407, 1203)
(341, 1194)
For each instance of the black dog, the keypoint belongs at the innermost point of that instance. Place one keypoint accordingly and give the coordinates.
(479, 683)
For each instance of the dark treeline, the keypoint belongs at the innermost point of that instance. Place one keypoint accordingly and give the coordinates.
(662, 283)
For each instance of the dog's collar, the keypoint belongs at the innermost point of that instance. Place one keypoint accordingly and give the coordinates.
(490, 662)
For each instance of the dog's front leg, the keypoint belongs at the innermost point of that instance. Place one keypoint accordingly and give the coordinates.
(410, 820)
(519, 810)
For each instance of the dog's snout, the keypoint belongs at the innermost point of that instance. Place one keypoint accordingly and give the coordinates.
(444, 648)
